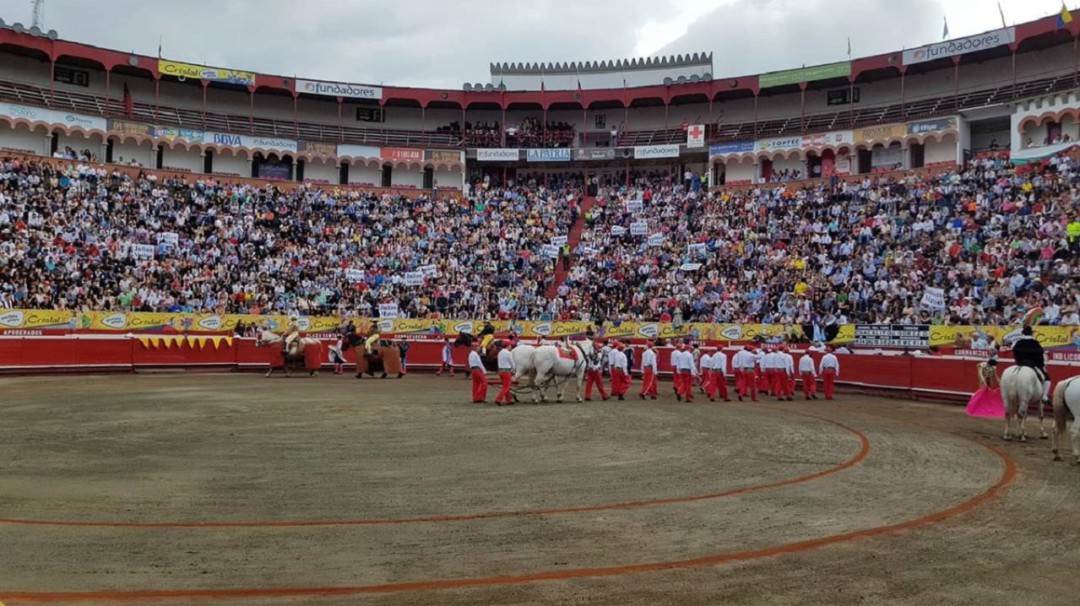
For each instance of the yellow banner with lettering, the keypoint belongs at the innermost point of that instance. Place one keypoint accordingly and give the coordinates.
(201, 72)
(940, 336)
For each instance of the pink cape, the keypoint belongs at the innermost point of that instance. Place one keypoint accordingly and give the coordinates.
(986, 404)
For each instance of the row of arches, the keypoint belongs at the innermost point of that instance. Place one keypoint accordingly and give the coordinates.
(102, 138)
(949, 136)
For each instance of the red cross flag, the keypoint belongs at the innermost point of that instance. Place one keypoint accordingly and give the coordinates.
(695, 136)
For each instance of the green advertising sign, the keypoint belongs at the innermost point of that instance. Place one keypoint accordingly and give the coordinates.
(806, 74)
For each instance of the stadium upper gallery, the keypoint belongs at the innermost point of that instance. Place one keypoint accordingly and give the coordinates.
(939, 105)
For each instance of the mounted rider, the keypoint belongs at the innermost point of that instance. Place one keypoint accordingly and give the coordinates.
(1027, 351)
(292, 333)
(486, 335)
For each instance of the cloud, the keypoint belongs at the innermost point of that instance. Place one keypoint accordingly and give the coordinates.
(414, 43)
(756, 36)
(444, 44)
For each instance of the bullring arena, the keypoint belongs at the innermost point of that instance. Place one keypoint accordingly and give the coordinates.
(180, 488)
(169, 232)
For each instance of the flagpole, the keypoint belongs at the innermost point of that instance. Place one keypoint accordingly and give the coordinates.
(851, 86)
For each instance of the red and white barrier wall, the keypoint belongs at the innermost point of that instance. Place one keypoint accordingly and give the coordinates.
(947, 377)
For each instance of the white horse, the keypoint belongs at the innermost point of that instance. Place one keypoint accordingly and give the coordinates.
(551, 367)
(1067, 398)
(526, 369)
(1021, 388)
(295, 354)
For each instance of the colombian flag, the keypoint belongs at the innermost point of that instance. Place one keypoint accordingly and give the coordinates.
(1064, 17)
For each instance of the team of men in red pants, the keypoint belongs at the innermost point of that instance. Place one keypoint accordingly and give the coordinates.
(753, 367)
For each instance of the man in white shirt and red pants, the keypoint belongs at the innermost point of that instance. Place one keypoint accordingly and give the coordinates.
(649, 368)
(718, 376)
(809, 376)
(830, 369)
(479, 376)
(506, 376)
(684, 367)
(594, 373)
(620, 378)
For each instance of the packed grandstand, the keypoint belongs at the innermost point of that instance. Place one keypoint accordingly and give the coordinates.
(905, 188)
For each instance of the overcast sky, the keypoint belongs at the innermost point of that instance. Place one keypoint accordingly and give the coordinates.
(446, 43)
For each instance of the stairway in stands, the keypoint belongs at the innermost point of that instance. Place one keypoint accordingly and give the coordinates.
(573, 238)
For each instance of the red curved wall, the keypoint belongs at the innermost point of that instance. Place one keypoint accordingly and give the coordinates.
(945, 377)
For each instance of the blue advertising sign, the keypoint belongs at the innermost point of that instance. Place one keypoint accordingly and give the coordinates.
(561, 154)
(731, 147)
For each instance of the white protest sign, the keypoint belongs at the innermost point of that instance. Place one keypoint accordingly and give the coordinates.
(550, 251)
(429, 271)
(697, 249)
(559, 240)
(933, 298)
(388, 310)
(639, 228)
(169, 238)
(142, 251)
(414, 278)
(635, 206)
(354, 275)
(617, 230)
(690, 266)
(656, 240)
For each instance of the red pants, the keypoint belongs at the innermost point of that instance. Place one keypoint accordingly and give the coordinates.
(593, 377)
(717, 384)
(791, 384)
(776, 378)
(685, 387)
(749, 385)
(479, 386)
(827, 378)
(507, 379)
(762, 380)
(648, 383)
(445, 366)
(809, 384)
(620, 383)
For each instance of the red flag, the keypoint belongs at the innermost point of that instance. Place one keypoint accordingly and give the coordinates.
(129, 103)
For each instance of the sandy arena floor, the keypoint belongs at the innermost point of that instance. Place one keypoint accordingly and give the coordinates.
(232, 488)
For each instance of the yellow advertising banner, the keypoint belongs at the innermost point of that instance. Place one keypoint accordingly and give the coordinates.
(23, 319)
(200, 72)
(882, 133)
(210, 324)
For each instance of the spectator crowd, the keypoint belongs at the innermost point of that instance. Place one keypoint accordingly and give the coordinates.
(997, 239)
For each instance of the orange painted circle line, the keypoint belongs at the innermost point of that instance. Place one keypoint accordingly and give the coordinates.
(864, 451)
(1007, 476)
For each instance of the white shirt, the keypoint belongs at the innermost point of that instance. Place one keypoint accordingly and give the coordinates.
(612, 358)
(506, 359)
(705, 363)
(829, 361)
(476, 362)
(682, 361)
(596, 361)
(743, 360)
(787, 362)
(648, 360)
(806, 365)
(618, 360)
(768, 361)
(719, 362)
(447, 354)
